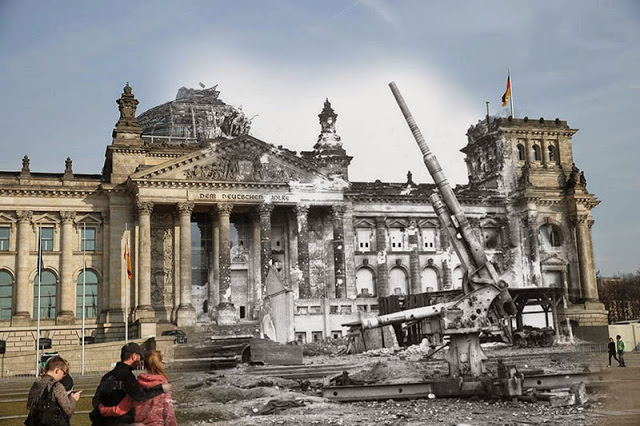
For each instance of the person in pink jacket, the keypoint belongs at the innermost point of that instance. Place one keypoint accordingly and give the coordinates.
(156, 411)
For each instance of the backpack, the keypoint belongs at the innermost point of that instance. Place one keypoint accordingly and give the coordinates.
(46, 411)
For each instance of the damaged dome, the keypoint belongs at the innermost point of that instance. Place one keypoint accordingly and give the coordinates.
(196, 114)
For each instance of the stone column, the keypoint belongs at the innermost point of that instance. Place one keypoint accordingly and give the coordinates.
(68, 288)
(144, 309)
(382, 281)
(534, 246)
(337, 212)
(24, 289)
(224, 211)
(214, 284)
(264, 211)
(104, 287)
(302, 211)
(256, 265)
(585, 259)
(226, 313)
(446, 276)
(414, 258)
(186, 314)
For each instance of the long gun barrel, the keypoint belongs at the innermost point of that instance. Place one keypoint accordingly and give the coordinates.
(473, 255)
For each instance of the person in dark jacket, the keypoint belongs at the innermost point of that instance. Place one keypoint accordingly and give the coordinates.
(612, 350)
(118, 383)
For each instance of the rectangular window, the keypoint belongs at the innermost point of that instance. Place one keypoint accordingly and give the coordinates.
(303, 310)
(5, 232)
(277, 238)
(315, 310)
(333, 309)
(46, 237)
(397, 239)
(362, 308)
(336, 334)
(301, 337)
(345, 309)
(429, 239)
(316, 336)
(88, 242)
(363, 236)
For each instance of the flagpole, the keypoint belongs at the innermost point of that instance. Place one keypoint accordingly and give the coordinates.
(511, 97)
(126, 284)
(38, 314)
(84, 283)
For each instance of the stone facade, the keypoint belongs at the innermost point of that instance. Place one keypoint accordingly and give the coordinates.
(207, 211)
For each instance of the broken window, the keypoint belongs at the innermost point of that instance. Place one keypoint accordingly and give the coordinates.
(277, 238)
(316, 336)
(302, 310)
(397, 239)
(333, 309)
(365, 284)
(375, 308)
(551, 153)
(535, 151)
(362, 308)
(521, 156)
(429, 239)
(429, 279)
(492, 239)
(363, 239)
(315, 310)
(336, 334)
(551, 235)
(345, 309)
(301, 337)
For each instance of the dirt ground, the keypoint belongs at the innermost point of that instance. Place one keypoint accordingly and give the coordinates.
(231, 397)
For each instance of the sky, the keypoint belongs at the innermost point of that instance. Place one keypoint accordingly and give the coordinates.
(63, 64)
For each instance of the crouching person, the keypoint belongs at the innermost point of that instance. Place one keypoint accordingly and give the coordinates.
(120, 382)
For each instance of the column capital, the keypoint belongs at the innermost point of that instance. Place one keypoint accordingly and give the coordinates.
(185, 207)
(224, 209)
(67, 217)
(144, 207)
(381, 221)
(24, 215)
(337, 210)
(265, 209)
(301, 209)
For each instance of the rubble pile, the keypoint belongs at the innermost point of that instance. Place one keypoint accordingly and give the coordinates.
(326, 347)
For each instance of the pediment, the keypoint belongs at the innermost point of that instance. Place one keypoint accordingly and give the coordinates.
(90, 219)
(44, 218)
(243, 159)
(364, 223)
(6, 218)
(553, 260)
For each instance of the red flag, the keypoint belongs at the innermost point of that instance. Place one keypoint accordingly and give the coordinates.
(507, 93)
(127, 259)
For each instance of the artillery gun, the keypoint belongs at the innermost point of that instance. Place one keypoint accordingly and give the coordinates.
(486, 299)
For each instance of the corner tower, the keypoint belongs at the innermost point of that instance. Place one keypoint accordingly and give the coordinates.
(530, 164)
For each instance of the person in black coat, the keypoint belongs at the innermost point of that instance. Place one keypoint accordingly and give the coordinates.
(120, 382)
(612, 351)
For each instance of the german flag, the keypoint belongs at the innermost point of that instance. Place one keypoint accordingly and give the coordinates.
(127, 259)
(507, 93)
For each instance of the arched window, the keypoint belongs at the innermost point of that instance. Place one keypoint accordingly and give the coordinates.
(535, 150)
(365, 283)
(521, 156)
(90, 279)
(429, 279)
(398, 281)
(551, 235)
(552, 153)
(48, 287)
(456, 277)
(6, 294)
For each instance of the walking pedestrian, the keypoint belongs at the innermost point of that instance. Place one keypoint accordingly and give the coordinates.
(612, 351)
(620, 346)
